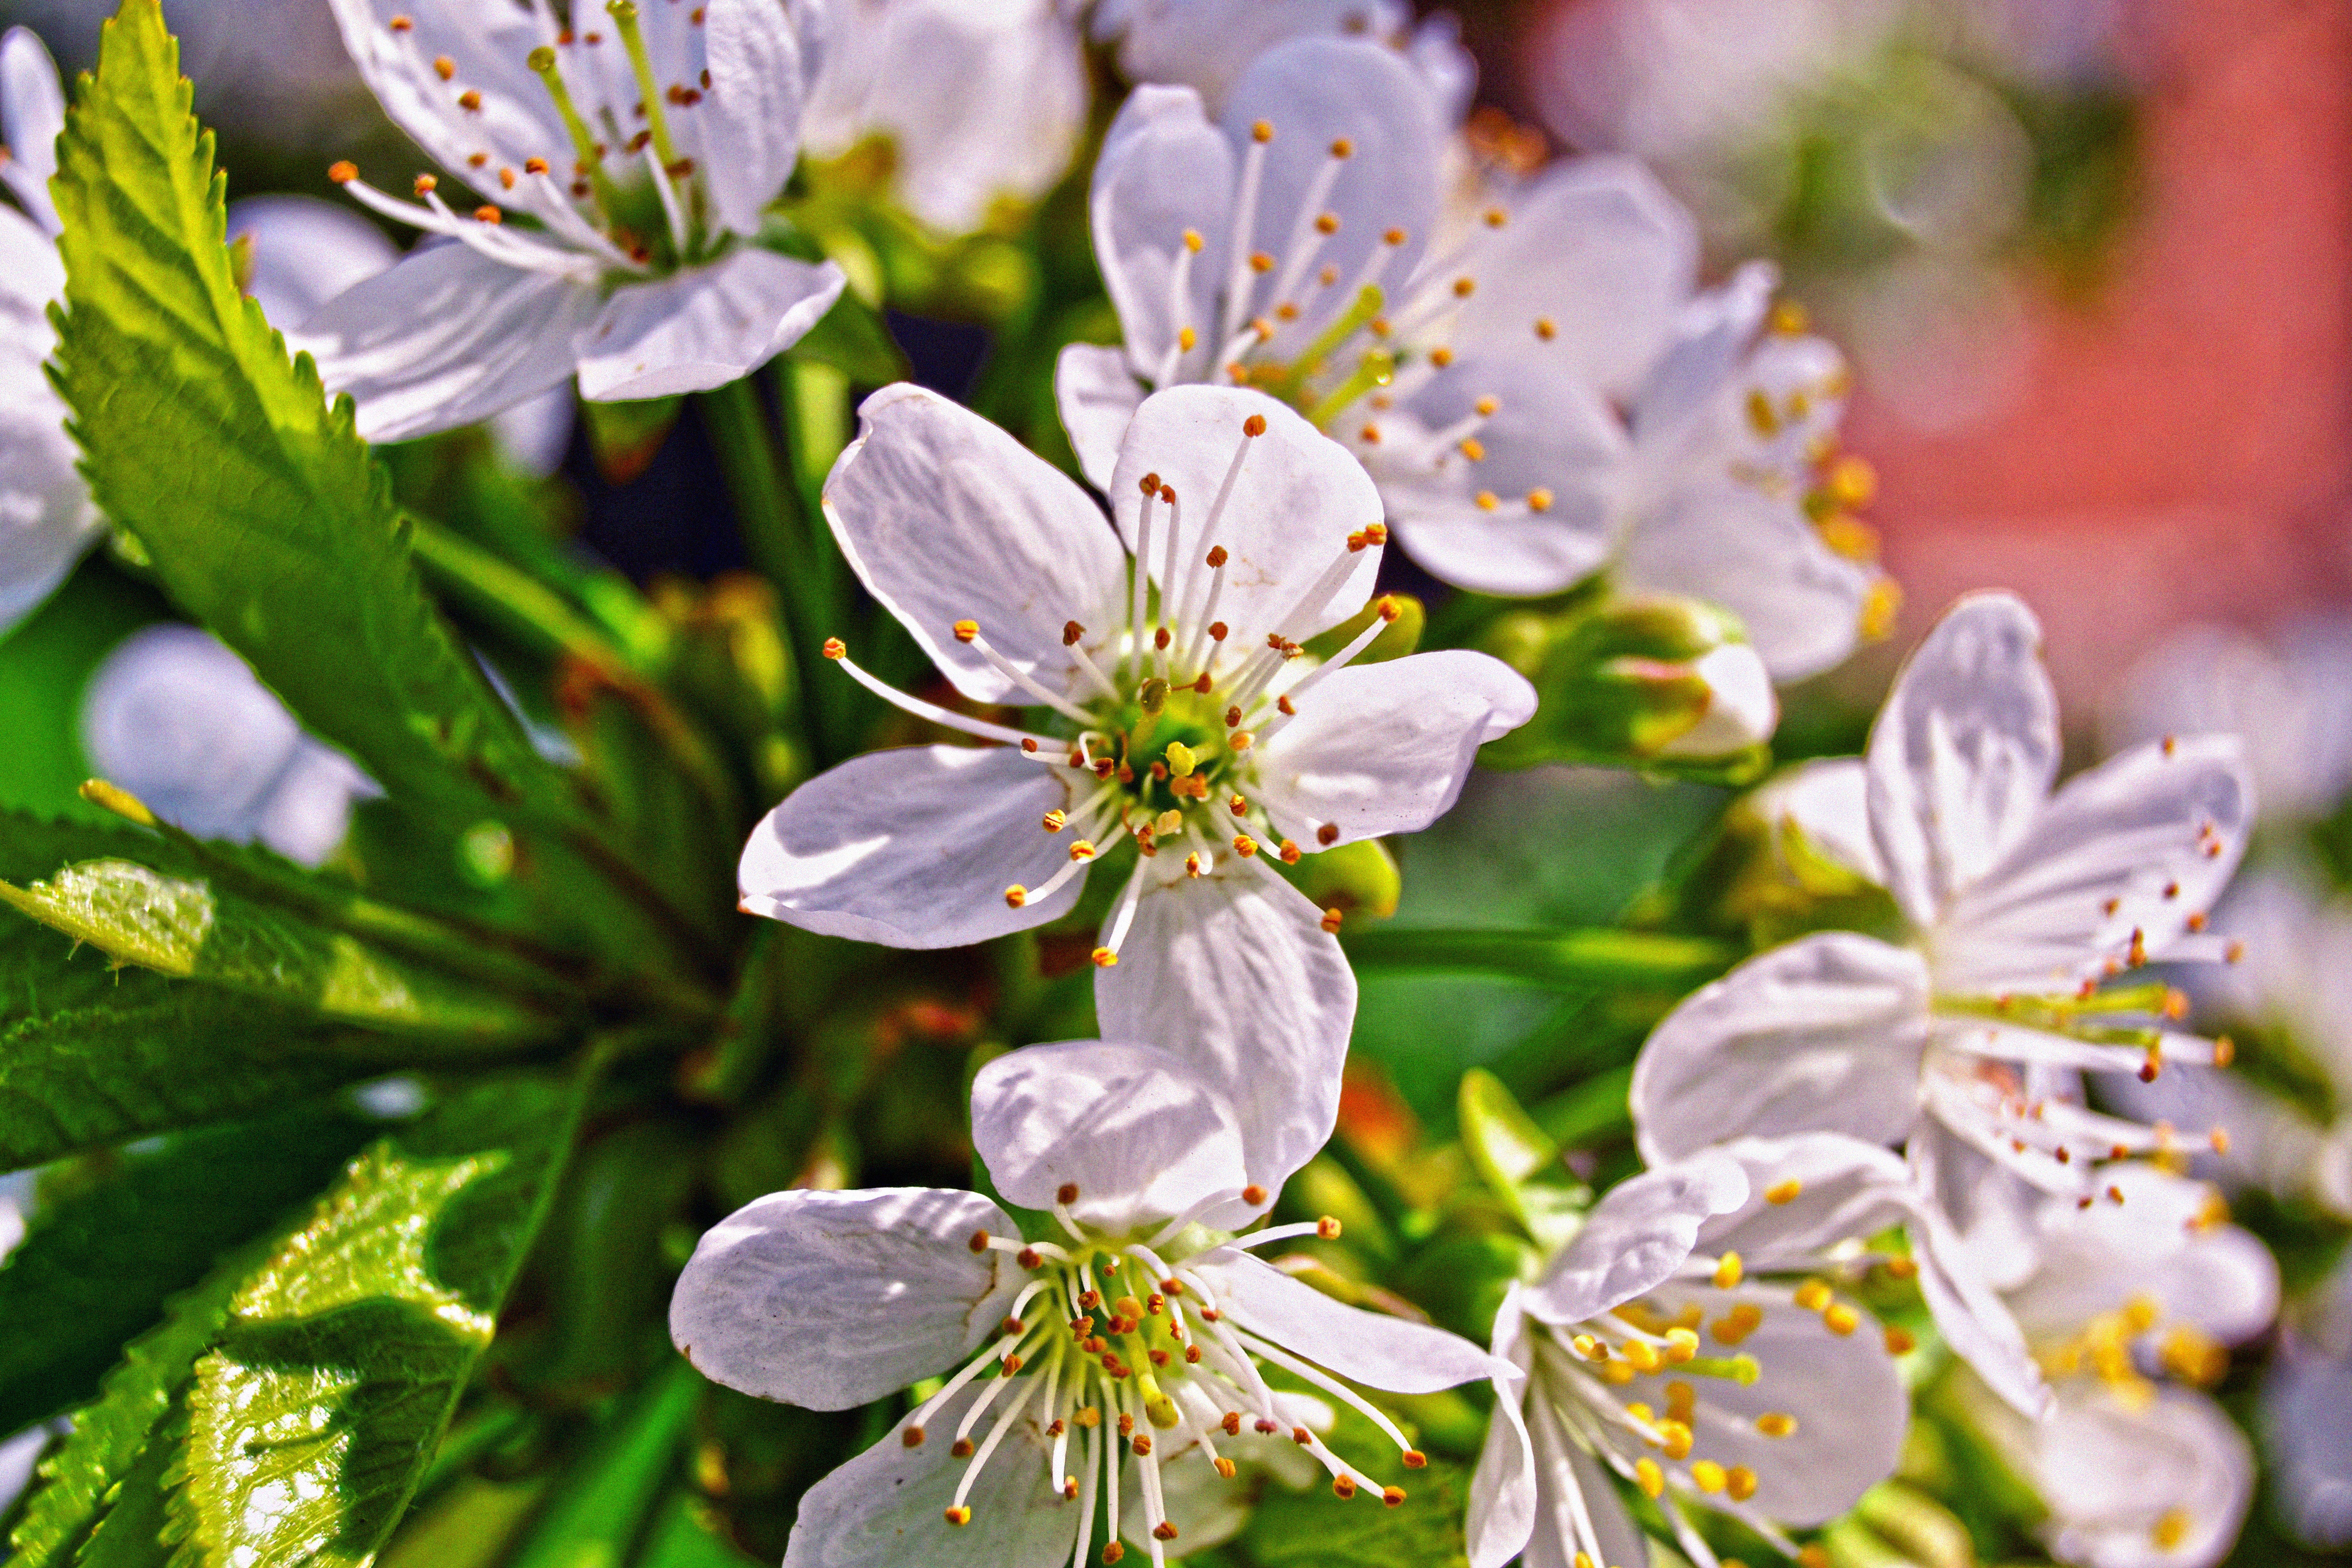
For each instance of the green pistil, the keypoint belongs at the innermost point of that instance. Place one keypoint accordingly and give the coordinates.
(1740, 1369)
(624, 16)
(2073, 1015)
(583, 140)
(1347, 325)
(1375, 369)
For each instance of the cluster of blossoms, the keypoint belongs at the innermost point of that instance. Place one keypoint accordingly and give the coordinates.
(1345, 322)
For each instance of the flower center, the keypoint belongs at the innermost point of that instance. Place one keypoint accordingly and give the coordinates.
(603, 79)
(1160, 719)
(1116, 1352)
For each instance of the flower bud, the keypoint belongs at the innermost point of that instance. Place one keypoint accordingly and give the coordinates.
(1658, 682)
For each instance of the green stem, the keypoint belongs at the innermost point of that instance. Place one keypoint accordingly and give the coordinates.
(776, 532)
(1576, 960)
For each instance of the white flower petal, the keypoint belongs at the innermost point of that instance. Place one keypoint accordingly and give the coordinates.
(488, 50)
(1963, 755)
(1847, 1189)
(1096, 395)
(830, 1299)
(31, 275)
(1596, 247)
(2160, 1243)
(1502, 1513)
(1635, 1238)
(1163, 169)
(535, 433)
(704, 327)
(1206, 43)
(1131, 1127)
(2138, 844)
(446, 338)
(912, 848)
(1315, 92)
(759, 80)
(175, 718)
(1823, 1034)
(1990, 1208)
(305, 252)
(1974, 1321)
(1851, 1407)
(1383, 748)
(1758, 556)
(1572, 1484)
(979, 101)
(946, 518)
(1550, 433)
(884, 1507)
(1827, 800)
(1370, 1348)
(1298, 498)
(32, 114)
(2115, 1475)
(1741, 711)
(306, 814)
(1235, 973)
(1709, 341)
(2303, 1400)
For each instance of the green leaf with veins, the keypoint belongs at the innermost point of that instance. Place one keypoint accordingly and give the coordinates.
(184, 927)
(312, 1415)
(91, 1055)
(260, 508)
(100, 1259)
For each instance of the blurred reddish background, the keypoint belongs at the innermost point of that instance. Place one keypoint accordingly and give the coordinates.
(2174, 443)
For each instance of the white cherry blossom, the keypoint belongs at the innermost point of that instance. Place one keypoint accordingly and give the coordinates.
(2130, 1308)
(47, 519)
(1122, 1330)
(643, 142)
(1205, 45)
(1541, 396)
(1194, 734)
(978, 100)
(176, 719)
(1690, 1340)
(2027, 910)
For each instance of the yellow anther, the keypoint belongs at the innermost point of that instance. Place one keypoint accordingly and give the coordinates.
(1853, 481)
(1015, 896)
(1545, 329)
(2170, 1531)
(1900, 1343)
(959, 1515)
(1261, 262)
(1728, 1271)
(1840, 1319)
(965, 631)
(1261, 131)
(1441, 356)
(443, 67)
(1641, 1355)
(1741, 1482)
(1538, 499)
(1682, 1401)
(1486, 406)
(1708, 1477)
(1327, 223)
(1488, 500)
(1761, 416)
(1777, 1424)
(1464, 287)
(1789, 319)
(1181, 758)
(1649, 1477)
(343, 171)
(1590, 1348)
(1081, 850)
(1328, 1229)
(1814, 1295)
(1332, 920)
(835, 648)
(1473, 448)
(1192, 240)
(1783, 1192)
(1105, 958)
(1185, 338)
(1675, 1440)
(1682, 1345)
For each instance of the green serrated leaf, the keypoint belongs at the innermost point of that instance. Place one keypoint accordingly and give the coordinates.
(91, 1055)
(100, 1262)
(313, 1415)
(78, 1481)
(257, 503)
(185, 927)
